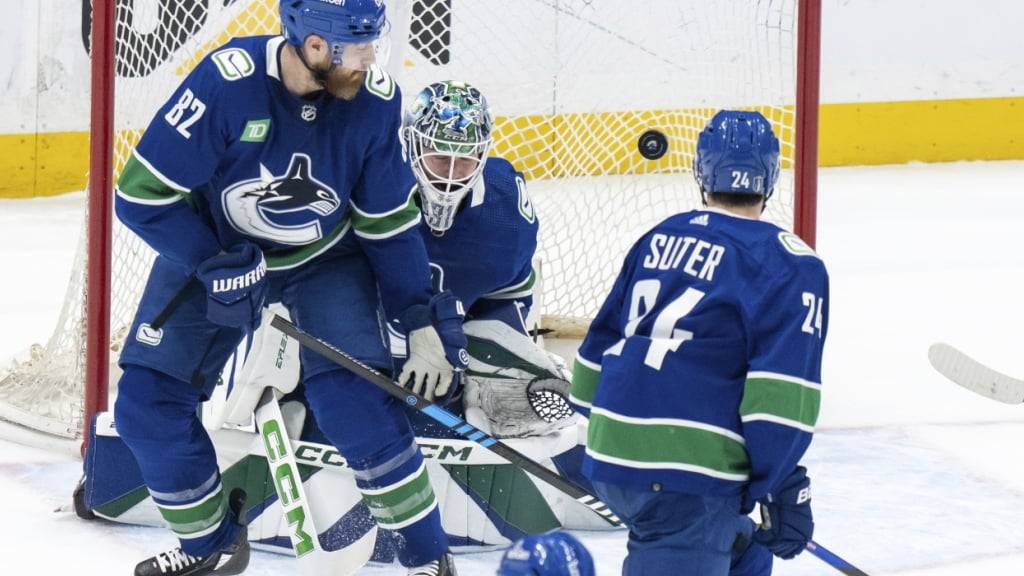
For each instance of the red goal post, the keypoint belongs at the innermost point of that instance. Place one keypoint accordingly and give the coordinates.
(100, 213)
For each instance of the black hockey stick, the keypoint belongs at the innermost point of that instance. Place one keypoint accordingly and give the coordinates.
(450, 420)
(183, 293)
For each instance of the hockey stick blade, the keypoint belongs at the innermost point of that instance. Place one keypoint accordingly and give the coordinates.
(975, 376)
(834, 560)
(450, 420)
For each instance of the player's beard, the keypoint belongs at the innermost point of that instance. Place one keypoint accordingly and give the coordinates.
(339, 81)
(344, 82)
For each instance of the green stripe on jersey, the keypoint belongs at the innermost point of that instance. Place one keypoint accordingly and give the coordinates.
(196, 520)
(670, 444)
(137, 181)
(779, 396)
(400, 505)
(284, 259)
(584, 383)
(384, 225)
(516, 290)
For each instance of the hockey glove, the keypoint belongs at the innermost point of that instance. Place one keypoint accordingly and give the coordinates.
(236, 286)
(787, 524)
(437, 347)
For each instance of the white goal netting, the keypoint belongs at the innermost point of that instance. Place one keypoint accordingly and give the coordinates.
(574, 83)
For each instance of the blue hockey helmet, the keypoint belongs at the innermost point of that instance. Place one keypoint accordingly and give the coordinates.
(737, 153)
(553, 553)
(341, 23)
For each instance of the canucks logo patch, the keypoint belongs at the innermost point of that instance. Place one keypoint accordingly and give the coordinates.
(525, 205)
(795, 245)
(149, 335)
(233, 63)
(286, 209)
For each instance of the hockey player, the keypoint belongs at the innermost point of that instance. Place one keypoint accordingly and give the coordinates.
(478, 223)
(701, 373)
(554, 553)
(480, 230)
(275, 173)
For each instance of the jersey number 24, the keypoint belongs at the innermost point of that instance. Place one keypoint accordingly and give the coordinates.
(664, 336)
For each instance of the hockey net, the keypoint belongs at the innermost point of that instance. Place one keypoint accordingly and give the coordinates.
(573, 83)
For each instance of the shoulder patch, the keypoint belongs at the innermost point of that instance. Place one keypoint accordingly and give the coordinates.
(380, 83)
(795, 245)
(233, 63)
(525, 205)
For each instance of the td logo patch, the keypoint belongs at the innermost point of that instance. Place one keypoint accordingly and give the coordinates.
(286, 209)
(256, 131)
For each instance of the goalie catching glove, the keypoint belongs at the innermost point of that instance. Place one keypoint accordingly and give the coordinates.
(514, 388)
(437, 347)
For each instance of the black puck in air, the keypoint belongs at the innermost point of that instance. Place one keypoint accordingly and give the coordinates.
(652, 144)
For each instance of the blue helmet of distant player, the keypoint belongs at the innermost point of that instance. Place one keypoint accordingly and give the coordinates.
(550, 554)
(737, 153)
(355, 30)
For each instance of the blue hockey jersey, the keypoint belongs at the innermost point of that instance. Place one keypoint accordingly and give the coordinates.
(485, 258)
(702, 371)
(233, 156)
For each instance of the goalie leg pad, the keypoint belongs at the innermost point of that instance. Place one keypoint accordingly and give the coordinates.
(156, 418)
(370, 429)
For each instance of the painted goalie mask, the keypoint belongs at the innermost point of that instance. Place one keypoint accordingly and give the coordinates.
(447, 133)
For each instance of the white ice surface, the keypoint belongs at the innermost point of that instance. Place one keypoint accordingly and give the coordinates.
(912, 475)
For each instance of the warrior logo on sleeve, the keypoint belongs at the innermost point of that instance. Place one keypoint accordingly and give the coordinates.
(285, 209)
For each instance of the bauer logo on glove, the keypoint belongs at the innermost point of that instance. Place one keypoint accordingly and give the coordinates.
(787, 523)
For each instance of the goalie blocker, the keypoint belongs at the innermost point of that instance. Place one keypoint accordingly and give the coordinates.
(513, 389)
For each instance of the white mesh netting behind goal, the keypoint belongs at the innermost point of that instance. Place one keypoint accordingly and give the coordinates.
(574, 83)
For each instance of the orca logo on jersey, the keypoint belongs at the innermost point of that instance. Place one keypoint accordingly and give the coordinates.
(285, 209)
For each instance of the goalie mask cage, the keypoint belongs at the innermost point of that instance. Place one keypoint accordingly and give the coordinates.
(573, 84)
